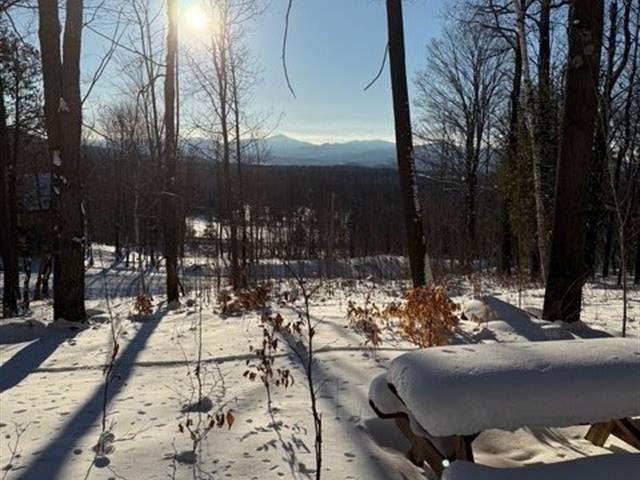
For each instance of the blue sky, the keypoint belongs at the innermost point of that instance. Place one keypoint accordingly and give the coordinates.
(335, 49)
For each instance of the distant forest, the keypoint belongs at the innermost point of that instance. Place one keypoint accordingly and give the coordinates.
(299, 212)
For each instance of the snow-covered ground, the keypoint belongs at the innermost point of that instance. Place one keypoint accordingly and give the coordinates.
(52, 386)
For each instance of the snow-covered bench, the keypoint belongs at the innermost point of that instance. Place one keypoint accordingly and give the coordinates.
(442, 398)
(610, 467)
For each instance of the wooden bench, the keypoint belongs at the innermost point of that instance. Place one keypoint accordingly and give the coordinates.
(442, 398)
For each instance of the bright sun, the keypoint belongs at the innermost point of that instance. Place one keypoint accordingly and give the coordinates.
(195, 19)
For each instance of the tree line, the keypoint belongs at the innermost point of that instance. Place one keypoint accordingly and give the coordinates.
(521, 155)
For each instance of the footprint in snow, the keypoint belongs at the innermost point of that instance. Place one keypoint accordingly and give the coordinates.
(188, 457)
(101, 461)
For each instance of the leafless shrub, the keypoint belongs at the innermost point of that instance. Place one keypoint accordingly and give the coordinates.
(263, 365)
(15, 452)
(198, 430)
(366, 321)
(305, 331)
(205, 422)
(104, 445)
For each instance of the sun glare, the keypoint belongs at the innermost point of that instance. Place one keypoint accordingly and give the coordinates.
(195, 18)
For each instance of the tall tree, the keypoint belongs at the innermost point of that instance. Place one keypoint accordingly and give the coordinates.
(616, 60)
(499, 19)
(170, 225)
(512, 150)
(567, 268)
(221, 63)
(144, 71)
(531, 120)
(20, 111)
(223, 71)
(544, 135)
(63, 119)
(7, 246)
(235, 61)
(404, 144)
(461, 88)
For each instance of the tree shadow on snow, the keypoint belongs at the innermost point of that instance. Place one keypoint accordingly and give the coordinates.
(44, 341)
(53, 457)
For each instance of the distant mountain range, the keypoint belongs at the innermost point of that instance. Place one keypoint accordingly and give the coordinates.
(287, 151)
(284, 150)
(369, 153)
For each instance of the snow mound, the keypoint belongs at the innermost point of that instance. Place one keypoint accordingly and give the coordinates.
(465, 389)
(477, 311)
(611, 467)
(387, 405)
(382, 399)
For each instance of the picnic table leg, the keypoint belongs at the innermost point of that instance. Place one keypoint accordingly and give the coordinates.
(628, 431)
(599, 433)
(422, 450)
(463, 450)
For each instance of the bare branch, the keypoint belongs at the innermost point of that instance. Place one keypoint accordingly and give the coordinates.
(284, 49)
(382, 65)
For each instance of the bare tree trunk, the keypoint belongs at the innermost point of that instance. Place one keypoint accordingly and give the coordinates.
(12, 196)
(8, 251)
(623, 267)
(116, 223)
(512, 152)
(26, 298)
(8, 207)
(636, 278)
(63, 116)
(404, 144)
(608, 246)
(544, 147)
(229, 203)
(602, 148)
(472, 161)
(42, 281)
(169, 195)
(242, 274)
(567, 269)
(542, 221)
(222, 62)
(611, 221)
(136, 226)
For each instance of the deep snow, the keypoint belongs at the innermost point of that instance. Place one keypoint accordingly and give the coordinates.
(52, 387)
(465, 389)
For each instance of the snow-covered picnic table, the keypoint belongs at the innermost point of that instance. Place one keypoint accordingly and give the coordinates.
(443, 397)
(610, 467)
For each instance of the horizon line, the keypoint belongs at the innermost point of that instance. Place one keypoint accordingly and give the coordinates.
(319, 139)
